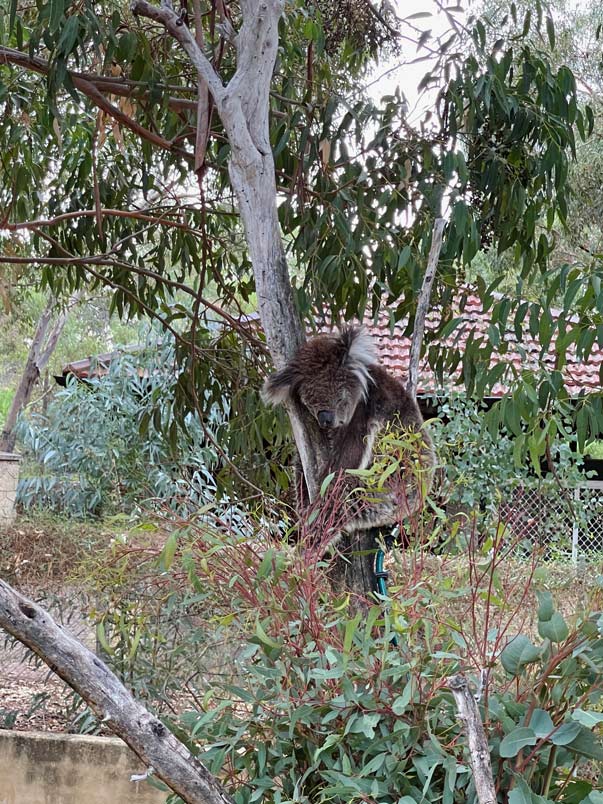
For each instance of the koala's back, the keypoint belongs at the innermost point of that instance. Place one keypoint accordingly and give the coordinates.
(387, 401)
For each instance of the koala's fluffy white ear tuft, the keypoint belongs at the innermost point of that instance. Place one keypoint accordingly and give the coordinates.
(277, 387)
(361, 354)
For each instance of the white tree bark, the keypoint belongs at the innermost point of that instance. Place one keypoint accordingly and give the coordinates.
(106, 695)
(243, 107)
(479, 754)
(423, 306)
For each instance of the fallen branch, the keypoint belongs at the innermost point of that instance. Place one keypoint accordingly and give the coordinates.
(150, 740)
(479, 753)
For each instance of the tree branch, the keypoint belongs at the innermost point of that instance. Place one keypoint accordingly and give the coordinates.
(91, 213)
(243, 106)
(97, 97)
(173, 23)
(150, 740)
(479, 753)
(93, 93)
(423, 305)
(114, 85)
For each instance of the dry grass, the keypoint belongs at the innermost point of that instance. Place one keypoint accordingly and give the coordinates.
(42, 551)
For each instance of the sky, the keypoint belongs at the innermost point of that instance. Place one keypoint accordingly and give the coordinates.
(402, 72)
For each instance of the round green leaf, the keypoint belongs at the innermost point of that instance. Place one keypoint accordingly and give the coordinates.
(546, 608)
(565, 734)
(587, 718)
(585, 744)
(512, 744)
(519, 652)
(542, 723)
(554, 629)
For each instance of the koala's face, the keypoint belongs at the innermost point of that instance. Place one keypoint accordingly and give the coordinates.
(331, 396)
(329, 375)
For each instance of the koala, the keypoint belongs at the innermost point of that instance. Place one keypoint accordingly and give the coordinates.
(337, 381)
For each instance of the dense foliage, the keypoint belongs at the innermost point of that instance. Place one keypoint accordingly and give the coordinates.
(99, 108)
(86, 453)
(294, 696)
(108, 127)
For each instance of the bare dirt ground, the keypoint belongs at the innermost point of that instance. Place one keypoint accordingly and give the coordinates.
(36, 558)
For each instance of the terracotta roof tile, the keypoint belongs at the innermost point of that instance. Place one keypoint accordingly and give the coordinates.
(394, 350)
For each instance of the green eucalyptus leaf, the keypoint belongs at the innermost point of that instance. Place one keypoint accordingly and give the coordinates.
(541, 723)
(555, 628)
(588, 718)
(565, 734)
(519, 738)
(518, 653)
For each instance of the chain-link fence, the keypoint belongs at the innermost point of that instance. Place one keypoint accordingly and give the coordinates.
(565, 521)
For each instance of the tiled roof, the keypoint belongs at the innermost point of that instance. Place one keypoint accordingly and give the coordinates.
(394, 350)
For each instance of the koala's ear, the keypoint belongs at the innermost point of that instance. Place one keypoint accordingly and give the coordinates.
(360, 353)
(277, 387)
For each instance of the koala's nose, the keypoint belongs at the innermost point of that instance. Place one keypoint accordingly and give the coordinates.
(326, 418)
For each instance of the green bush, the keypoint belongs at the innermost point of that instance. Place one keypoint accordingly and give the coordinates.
(308, 699)
(111, 443)
(6, 397)
(326, 708)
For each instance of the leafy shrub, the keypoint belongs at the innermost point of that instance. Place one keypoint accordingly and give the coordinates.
(312, 702)
(327, 709)
(6, 397)
(109, 443)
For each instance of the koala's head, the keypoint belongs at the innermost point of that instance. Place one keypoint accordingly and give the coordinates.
(329, 375)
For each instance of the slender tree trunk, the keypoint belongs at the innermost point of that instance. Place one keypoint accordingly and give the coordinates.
(423, 305)
(43, 345)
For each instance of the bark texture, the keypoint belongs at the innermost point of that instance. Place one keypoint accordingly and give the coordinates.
(42, 346)
(106, 695)
(479, 753)
(423, 305)
(243, 107)
(355, 567)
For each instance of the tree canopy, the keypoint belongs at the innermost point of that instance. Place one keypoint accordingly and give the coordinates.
(114, 172)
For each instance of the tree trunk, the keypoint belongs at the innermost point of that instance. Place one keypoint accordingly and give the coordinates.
(40, 352)
(243, 106)
(354, 569)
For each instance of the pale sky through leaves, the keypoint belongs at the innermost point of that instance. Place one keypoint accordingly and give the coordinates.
(401, 71)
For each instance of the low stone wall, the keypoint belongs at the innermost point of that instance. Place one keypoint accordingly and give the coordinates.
(9, 477)
(40, 768)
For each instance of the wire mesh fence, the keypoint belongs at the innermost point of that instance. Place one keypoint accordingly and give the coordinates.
(567, 522)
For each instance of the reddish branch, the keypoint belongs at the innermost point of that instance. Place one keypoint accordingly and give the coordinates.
(114, 85)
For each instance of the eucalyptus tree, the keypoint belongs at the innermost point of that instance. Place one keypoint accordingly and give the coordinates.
(222, 153)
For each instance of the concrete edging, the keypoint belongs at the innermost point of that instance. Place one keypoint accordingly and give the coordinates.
(44, 768)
